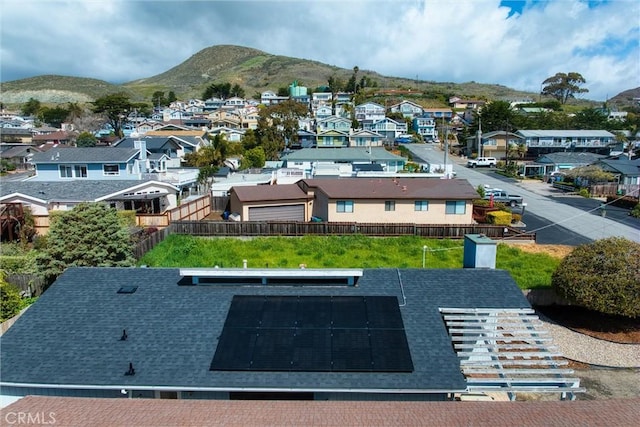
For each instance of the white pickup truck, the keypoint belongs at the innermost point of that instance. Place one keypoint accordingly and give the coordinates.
(482, 161)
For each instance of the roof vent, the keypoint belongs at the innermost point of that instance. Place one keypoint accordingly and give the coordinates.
(127, 289)
(130, 371)
(124, 335)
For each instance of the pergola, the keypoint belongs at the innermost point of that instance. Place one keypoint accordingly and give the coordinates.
(508, 351)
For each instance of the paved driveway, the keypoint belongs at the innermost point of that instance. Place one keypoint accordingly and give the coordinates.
(565, 222)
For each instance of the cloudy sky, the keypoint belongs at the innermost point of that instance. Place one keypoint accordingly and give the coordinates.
(514, 43)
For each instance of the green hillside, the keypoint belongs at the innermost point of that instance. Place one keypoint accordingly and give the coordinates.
(255, 71)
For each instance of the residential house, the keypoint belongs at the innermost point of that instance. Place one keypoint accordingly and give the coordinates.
(57, 137)
(322, 112)
(147, 125)
(369, 113)
(18, 155)
(332, 139)
(627, 171)
(438, 113)
(310, 159)
(212, 104)
(282, 202)
(559, 162)
(408, 109)
(197, 123)
(541, 142)
(392, 200)
(88, 163)
(365, 138)
(334, 123)
(170, 146)
(319, 99)
(425, 127)
(16, 135)
(43, 197)
(234, 103)
(306, 139)
(269, 98)
(390, 129)
(494, 144)
(341, 334)
(466, 104)
(231, 135)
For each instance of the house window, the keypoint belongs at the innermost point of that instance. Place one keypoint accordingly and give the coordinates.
(77, 171)
(111, 169)
(456, 207)
(80, 171)
(344, 206)
(66, 171)
(389, 205)
(421, 205)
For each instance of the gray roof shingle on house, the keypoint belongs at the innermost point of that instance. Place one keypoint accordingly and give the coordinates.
(86, 155)
(346, 154)
(544, 133)
(71, 335)
(569, 157)
(269, 192)
(622, 165)
(152, 142)
(78, 190)
(395, 188)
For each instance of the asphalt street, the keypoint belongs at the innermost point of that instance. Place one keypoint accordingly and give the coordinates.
(555, 217)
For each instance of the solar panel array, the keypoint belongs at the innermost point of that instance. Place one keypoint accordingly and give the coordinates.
(313, 334)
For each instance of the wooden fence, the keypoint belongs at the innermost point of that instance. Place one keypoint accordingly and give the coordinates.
(613, 189)
(148, 243)
(30, 285)
(274, 228)
(219, 203)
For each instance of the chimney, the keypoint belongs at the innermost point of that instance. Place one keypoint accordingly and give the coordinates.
(141, 145)
(479, 251)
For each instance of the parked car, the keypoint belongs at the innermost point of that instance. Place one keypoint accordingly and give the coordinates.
(482, 162)
(502, 196)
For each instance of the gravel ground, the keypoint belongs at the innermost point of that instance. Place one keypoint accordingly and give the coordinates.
(593, 351)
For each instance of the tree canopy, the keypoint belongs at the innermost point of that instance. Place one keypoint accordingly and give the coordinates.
(89, 235)
(278, 125)
(86, 139)
(602, 276)
(563, 86)
(116, 108)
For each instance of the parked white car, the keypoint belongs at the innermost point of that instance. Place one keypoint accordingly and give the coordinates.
(482, 162)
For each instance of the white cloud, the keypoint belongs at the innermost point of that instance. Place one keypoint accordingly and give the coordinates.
(463, 40)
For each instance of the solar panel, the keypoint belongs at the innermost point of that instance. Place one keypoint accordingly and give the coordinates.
(313, 334)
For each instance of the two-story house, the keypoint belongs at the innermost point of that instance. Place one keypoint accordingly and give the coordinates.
(390, 129)
(543, 141)
(408, 109)
(368, 113)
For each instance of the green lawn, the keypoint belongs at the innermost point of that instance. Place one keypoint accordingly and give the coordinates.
(529, 270)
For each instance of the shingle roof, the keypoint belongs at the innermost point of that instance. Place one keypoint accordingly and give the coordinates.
(67, 411)
(76, 191)
(346, 154)
(85, 155)
(269, 192)
(568, 157)
(624, 166)
(71, 335)
(564, 133)
(152, 143)
(395, 188)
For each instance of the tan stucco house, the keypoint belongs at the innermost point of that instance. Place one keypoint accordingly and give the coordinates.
(364, 200)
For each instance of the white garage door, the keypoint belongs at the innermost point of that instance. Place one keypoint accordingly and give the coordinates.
(277, 213)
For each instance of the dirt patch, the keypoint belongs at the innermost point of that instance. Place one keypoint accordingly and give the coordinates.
(557, 251)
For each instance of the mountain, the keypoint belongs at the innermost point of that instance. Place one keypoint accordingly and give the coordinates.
(625, 99)
(254, 70)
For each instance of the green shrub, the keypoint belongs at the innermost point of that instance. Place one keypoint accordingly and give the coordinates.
(499, 217)
(584, 192)
(602, 276)
(480, 190)
(635, 212)
(10, 301)
(516, 218)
